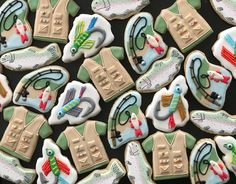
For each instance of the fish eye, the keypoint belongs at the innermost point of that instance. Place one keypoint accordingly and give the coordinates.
(229, 146)
(73, 50)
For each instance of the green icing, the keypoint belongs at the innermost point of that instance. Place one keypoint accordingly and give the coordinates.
(46, 39)
(133, 109)
(14, 154)
(45, 130)
(62, 142)
(94, 167)
(170, 177)
(148, 144)
(8, 113)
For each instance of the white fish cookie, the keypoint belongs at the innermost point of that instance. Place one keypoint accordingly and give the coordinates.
(5, 92)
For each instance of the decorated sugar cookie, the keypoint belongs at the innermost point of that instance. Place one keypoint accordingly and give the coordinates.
(227, 146)
(225, 49)
(207, 82)
(226, 9)
(88, 35)
(169, 108)
(111, 174)
(5, 92)
(219, 122)
(31, 58)
(139, 170)
(142, 44)
(205, 164)
(78, 103)
(53, 167)
(126, 120)
(15, 30)
(38, 89)
(118, 9)
(161, 73)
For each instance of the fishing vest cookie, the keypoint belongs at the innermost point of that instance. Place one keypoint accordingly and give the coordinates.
(161, 73)
(38, 89)
(142, 44)
(118, 9)
(107, 73)
(139, 170)
(85, 145)
(227, 146)
(207, 82)
(225, 49)
(52, 19)
(111, 174)
(21, 136)
(126, 120)
(31, 58)
(169, 108)
(15, 30)
(185, 24)
(170, 158)
(88, 35)
(76, 104)
(5, 92)
(205, 164)
(53, 167)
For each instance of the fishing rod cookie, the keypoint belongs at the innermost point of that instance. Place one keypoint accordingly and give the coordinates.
(142, 44)
(76, 104)
(88, 35)
(15, 30)
(207, 82)
(161, 73)
(53, 167)
(169, 108)
(118, 9)
(5, 92)
(31, 58)
(205, 164)
(38, 89)
(126, 120)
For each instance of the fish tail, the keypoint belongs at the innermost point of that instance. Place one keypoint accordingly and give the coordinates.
(117, 168)
(62, 180)
(29, 177)
(92, 23)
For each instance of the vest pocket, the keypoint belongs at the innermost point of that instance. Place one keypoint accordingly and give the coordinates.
(94, 150)
(27, 140)
(82, 156)
(178, 165)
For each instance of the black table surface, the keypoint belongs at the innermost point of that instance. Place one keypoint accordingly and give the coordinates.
(118, 28)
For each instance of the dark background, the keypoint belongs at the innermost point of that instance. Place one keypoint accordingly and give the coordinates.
(118, 28)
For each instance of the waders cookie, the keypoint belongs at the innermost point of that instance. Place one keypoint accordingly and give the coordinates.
(107, 73)
(169, 108)
(219, 122)
(5, 92)
(207, 82)
(170, 160)
(76, 104)
(15, 30)
(161, 73)
(38, 89)
(187, 27)
(53, 167)
(88, 35)
(142, 44)
(31, 58)
(118, 9)
(139, 170)
(205, 164)
(111, 174)
(126, 120)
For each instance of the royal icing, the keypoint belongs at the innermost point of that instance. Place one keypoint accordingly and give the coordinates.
(5, 92)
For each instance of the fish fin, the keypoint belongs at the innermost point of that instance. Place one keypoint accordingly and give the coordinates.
(46, 168)
(62, 166)
(88, 44)
(29, 177)
(79, 29)
(92, 23)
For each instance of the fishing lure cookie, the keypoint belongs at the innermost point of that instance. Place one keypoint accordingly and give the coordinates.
(5, 92)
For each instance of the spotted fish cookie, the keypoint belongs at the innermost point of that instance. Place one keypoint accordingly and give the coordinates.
(31, 58)
(225, 49)
(76, 104)
(169, 108)
(205, 164)
(38, 89)
(219, 122)
(88, 35)
(126, 120)
(226, 9)
(15, 31)
(5, 92)
(111, 174)
(118, 9)
(207, 82)
(142, 44)
(53, 167)
(161, 73)
(139, 170)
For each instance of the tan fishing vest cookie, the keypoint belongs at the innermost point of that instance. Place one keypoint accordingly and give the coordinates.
(187, 26)
(20, 137)
(110, 78)
(52, 22)
(169, 159)
(87, 150)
